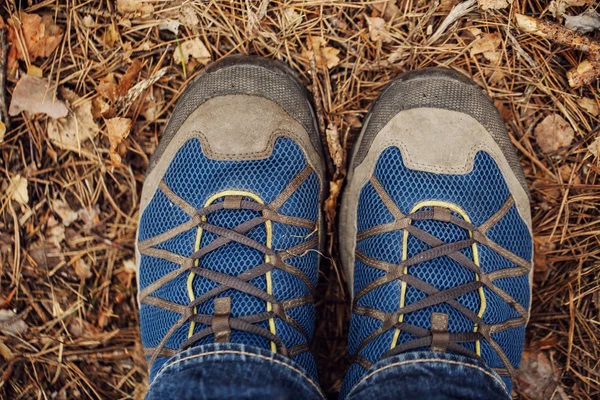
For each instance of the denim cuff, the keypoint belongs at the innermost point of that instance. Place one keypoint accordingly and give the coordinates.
(430, 375)
(227, 370)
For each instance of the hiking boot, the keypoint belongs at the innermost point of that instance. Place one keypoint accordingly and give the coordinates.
(436, 229)
(228, 238)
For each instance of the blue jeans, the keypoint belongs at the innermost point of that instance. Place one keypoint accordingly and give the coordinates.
(225, 371)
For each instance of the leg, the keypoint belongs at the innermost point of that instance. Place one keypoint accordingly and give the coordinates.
(436, 242)
(228, 237)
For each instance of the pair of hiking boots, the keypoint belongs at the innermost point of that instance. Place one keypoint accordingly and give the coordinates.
(434, 232)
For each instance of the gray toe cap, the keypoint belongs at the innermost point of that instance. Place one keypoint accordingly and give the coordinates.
(443, 89)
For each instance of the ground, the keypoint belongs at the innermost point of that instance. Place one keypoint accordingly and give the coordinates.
(71, 186)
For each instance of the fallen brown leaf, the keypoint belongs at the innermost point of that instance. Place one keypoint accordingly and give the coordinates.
(447, 5)
(40, 37)
(387, 8)
(82, 269)
(494, 4)
(325, 57)
(378, 30)
(139, 7)
(586, 22)
(45, 255)
(12, 323)
(154, 104)
(193, 48)
(64, 211)
(594, 148)
(553, 133)
(487, 45)
(537, 377)
(79, 126)
(18, 188)
(35, 96)
(589, 105)
(117, 129)
(130, 76)
(5, 352)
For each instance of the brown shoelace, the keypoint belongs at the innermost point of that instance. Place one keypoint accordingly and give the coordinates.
(222, 322)
(438, 338)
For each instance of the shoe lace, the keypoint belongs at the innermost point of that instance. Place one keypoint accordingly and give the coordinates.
(437, 338)
(221, 323)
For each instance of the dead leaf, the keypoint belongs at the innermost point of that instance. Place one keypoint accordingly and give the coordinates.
(5, 352)
(117, 130)
(586, 22)
(494, 4)
(291, 17)
(188, 15)
(447, 5)
(66, 214)
(12, 323)
(553, 133)
(594, 148)
(82, 269)
(19, 190)
(565, 172)
(99, 107)
(170, 25)
(55, 232)
(487, 45)
(353, 121)
(537, 377)
(193, 48)
(88, 21)
(79, 126)
(154, 104)
(335, 146)
(129, 77)
(32, 70)
(378, 30)
(111, 36)
(35, 96)
(45, 255)
(107, 87)
(589, 105)
(90, 217)
(325, 57)
(2, 131)
(39, 34)
(387, 8)
(558, 7)
(139, 7)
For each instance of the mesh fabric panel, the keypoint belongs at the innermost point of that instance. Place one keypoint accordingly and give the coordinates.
(195, 178)
(480, 193)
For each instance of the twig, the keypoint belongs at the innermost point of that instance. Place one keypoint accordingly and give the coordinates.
(459, 11)
(319, 108)
(585, 73)
(3, 59)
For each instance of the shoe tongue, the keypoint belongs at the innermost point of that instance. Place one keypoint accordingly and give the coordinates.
(442, 273)
(233, 259)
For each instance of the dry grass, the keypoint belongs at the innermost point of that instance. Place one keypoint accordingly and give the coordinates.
(82, 340)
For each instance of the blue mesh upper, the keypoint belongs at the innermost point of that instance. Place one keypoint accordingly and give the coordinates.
(195, 178)
(480, 193)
